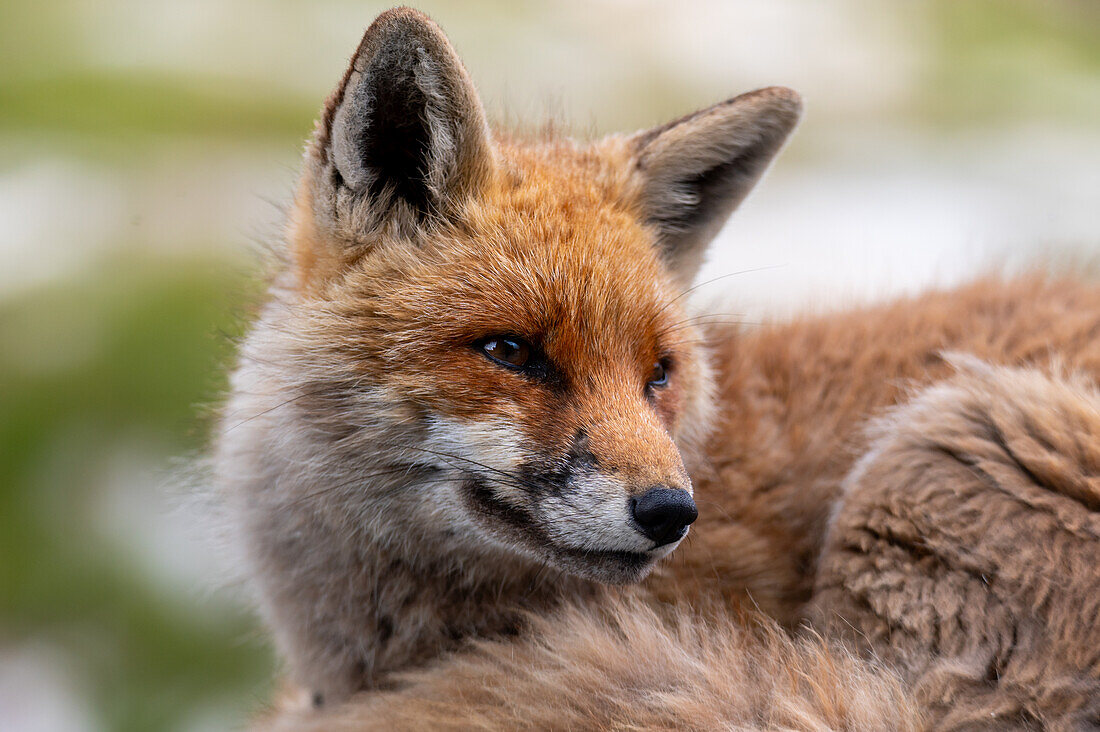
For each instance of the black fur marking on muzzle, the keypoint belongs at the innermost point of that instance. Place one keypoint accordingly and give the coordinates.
(484, 501)
(559, 476)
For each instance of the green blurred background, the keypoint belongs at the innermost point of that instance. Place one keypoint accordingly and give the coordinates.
(146, 149)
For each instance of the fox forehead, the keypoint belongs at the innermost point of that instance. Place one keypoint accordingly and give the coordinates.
(552, 252)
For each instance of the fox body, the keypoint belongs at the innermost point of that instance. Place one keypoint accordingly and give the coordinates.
(476, 391)
(962, 552)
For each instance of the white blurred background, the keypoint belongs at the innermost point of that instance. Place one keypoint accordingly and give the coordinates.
(146, 147)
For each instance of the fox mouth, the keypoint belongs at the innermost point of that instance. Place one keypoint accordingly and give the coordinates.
(609, 566)
(518, 529)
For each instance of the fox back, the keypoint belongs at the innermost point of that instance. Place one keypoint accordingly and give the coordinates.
(474, 389)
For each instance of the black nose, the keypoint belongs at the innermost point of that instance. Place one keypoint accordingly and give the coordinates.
(663, 514)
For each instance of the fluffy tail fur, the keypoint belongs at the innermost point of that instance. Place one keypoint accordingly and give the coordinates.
(626, 667)
(966, 548)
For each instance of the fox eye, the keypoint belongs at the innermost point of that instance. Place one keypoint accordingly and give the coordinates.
(659, 377)
(509, 351)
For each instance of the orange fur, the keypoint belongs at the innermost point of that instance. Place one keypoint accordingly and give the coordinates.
(587, 672)
(965, 548)
(394, 488)
(794, 399)
(400, 494)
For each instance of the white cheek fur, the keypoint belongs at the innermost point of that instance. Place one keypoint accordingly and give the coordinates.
(488, 448)
(592, 513)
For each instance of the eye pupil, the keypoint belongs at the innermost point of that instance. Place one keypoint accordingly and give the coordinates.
(509, 351)
(659, 376)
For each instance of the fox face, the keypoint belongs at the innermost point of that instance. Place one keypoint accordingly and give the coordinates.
(534, 347)
(480, 344)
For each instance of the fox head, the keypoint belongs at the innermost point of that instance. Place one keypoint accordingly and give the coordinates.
(482, 341)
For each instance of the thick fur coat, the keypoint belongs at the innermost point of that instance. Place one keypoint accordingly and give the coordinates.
(478, 361)
(966, 550)
(624, 667)
(395, 487)
(958, 555)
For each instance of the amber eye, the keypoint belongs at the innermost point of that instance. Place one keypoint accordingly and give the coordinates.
(507, 350)
(659, 377)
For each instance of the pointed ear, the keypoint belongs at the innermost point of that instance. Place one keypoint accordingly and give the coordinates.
(696, 170)
(404, 135)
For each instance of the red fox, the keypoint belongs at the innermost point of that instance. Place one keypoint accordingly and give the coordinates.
(477, 394)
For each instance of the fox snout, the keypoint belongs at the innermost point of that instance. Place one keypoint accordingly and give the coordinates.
(663, 514)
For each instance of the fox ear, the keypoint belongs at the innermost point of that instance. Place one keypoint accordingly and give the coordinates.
(405, 132)
(696, 170)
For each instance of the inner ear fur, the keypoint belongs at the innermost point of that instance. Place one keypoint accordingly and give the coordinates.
(693, 172)
(404, 135)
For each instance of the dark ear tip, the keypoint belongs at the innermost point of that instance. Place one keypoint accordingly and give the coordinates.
(401, 28)
(777, 100)
(401, 21)
(405, 122)
(402, 14)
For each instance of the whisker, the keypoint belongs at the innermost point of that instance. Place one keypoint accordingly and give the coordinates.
(703, 316)
(669, 331)
(339, 486)
(505, 478)
(517, 481)
(277, 406)
(690, 343)
(713, 280)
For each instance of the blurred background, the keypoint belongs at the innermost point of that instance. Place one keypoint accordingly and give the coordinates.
(146, 149)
